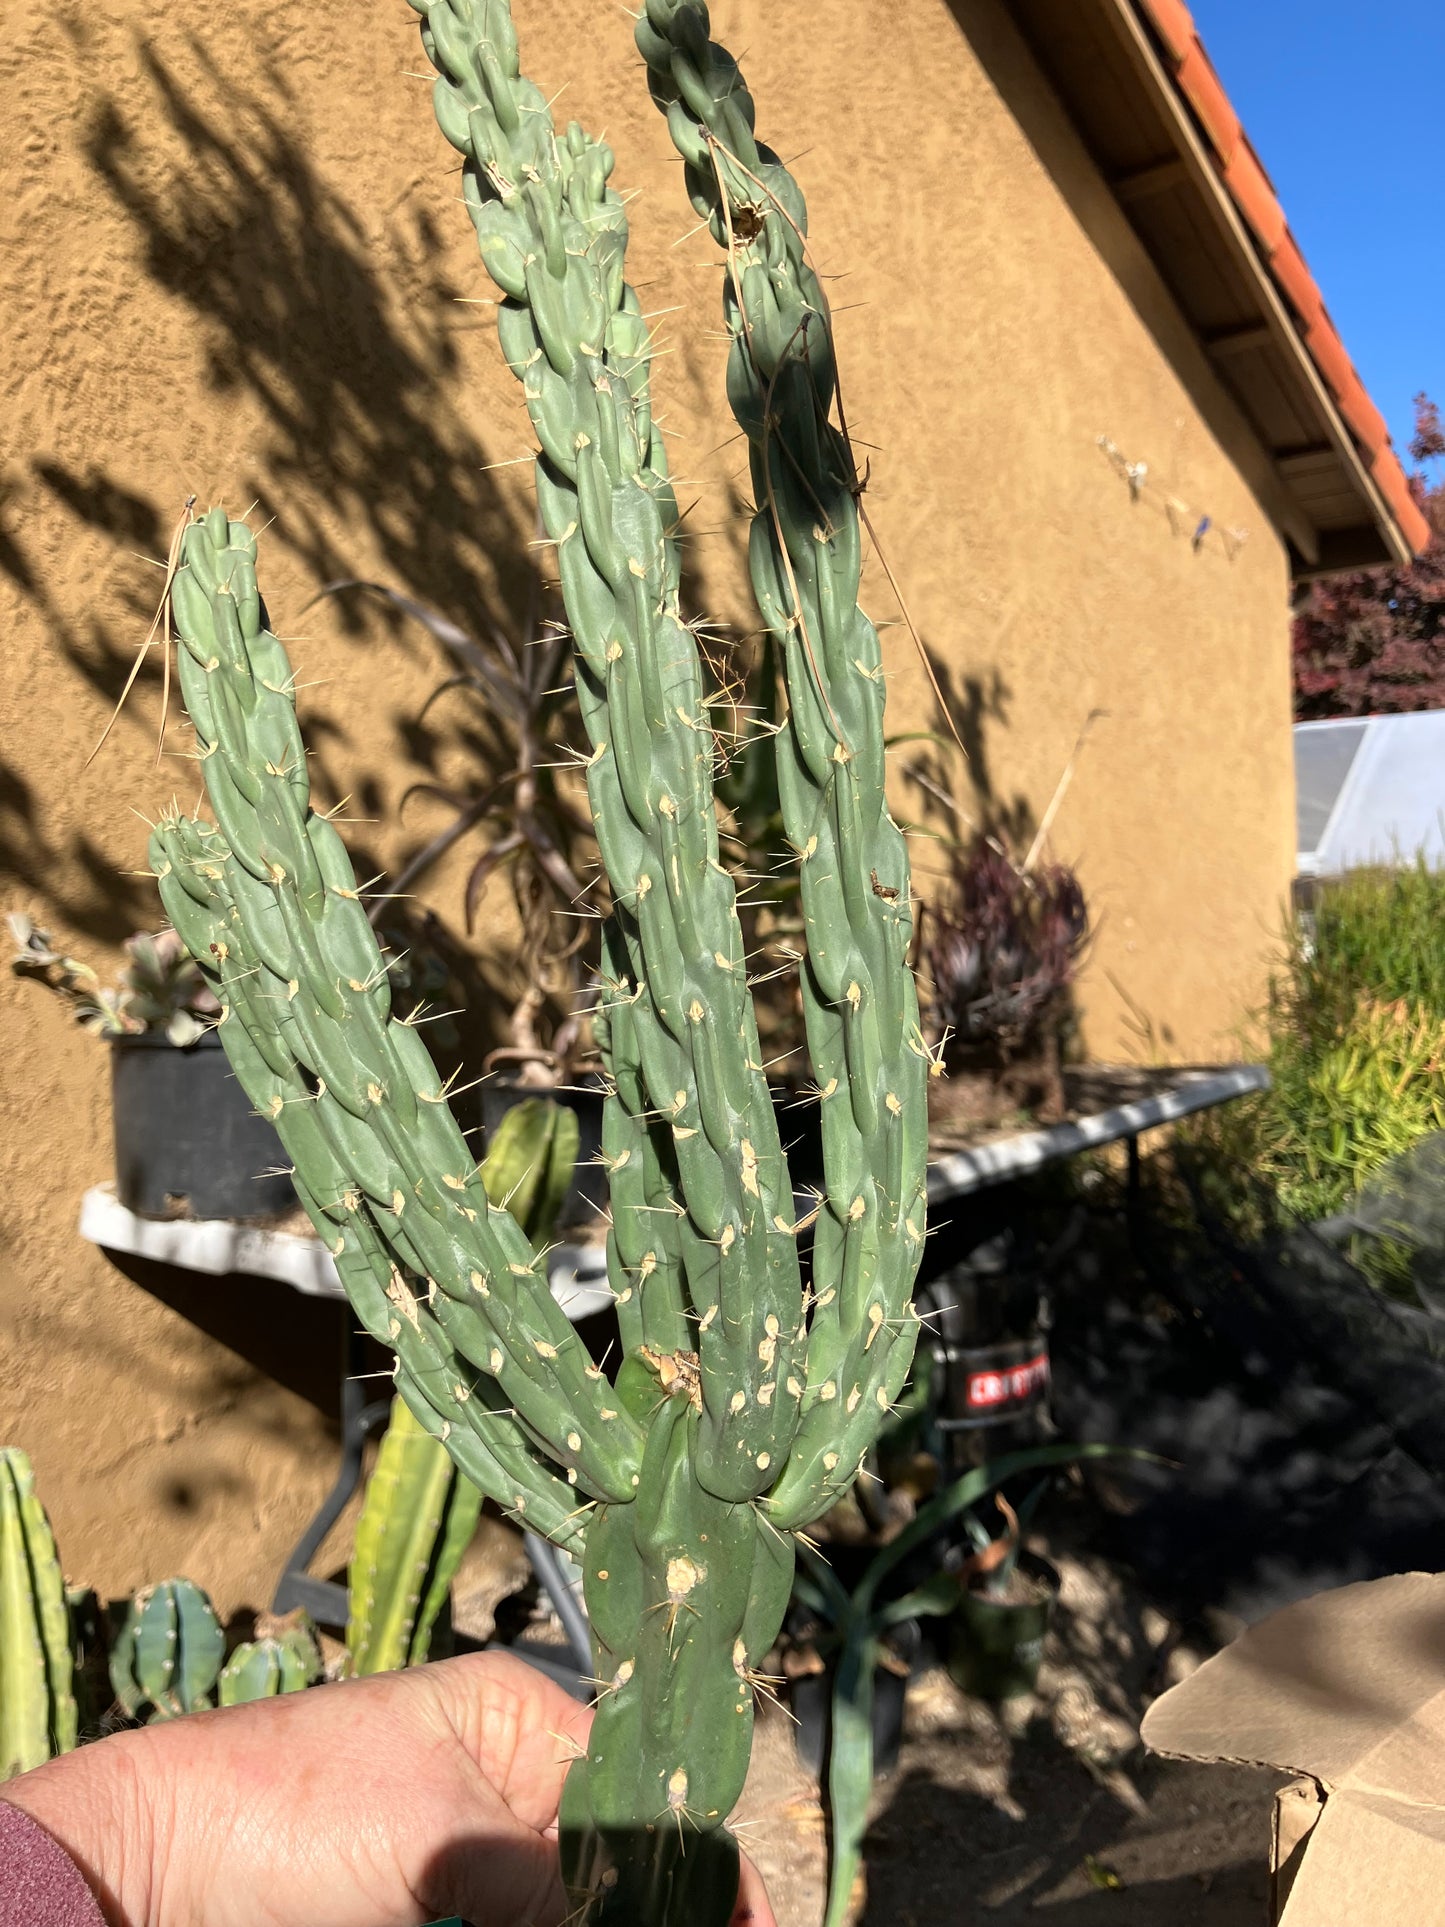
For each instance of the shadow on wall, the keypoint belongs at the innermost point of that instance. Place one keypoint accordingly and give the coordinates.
(356, 392)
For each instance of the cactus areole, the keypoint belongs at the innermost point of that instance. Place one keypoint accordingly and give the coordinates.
(742, 1407)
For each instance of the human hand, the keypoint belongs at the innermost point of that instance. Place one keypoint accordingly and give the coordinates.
(380, 1802)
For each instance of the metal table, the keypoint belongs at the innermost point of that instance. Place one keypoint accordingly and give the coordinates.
(1176, 1094)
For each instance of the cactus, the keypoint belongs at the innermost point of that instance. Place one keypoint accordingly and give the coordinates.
(529, 1164)
(284, 1661)
(417, 1521)
(742, 1407)
(167, 1655)
(37, 1704)
(420, 1513)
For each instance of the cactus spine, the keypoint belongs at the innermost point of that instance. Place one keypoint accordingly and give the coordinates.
(168, 1653)
(37, 1703)
(740, 1409)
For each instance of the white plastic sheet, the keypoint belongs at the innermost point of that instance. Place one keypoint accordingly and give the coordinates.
(1370, 791)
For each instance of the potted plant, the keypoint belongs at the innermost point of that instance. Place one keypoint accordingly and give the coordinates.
(1002, 950)
(187, 1140)
(1005, 1603)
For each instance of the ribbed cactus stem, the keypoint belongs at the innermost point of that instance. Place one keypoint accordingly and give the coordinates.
(168, 1654)
(37, 1701)
(860, 1005)
(269, 905)
(553, 235)
(285, 1662)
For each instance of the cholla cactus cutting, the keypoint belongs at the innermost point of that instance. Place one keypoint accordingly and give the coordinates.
(741, 1408)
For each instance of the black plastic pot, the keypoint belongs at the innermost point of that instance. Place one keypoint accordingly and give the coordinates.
(187, 1143)
(589, 1181)
(996, 1648)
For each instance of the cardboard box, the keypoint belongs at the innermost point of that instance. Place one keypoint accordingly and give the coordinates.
(1347, 1692)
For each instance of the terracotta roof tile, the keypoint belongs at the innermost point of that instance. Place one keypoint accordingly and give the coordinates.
(1254, 195)
(1390, 478)
(1204, 91)
(1252, 192)
(1301, 290)
(1174, 25)
(1331, 357)
(1369, 425)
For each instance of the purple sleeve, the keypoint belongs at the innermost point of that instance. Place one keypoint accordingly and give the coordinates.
(40, 1885)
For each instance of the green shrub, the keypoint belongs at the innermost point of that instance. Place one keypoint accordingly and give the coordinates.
(1354, 1036)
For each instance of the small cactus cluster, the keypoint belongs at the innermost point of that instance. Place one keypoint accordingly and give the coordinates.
(168, 1654)
(37, 1700)
(285, 1661)
(169, 1657)
(744, 1403)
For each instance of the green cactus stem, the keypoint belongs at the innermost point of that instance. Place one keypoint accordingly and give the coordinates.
(739, 1409)
(860, 1005)
(286, 1661)
(167, 1656)
(37, 1703)
(417, 1520)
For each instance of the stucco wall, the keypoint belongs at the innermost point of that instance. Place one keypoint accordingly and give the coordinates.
(230, 264)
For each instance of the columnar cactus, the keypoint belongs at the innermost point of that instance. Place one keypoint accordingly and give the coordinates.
(37, 1703)
(417, 1520)
(167, 1656)
(286, 1661)
(859, 1000)
(742, 1406)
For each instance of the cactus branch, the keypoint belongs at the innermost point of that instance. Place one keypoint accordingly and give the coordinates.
(860, 1006)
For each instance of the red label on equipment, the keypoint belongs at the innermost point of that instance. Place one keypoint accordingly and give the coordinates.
(1007, 1384)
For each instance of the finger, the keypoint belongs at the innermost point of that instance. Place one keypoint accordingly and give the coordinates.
(522, 1730)
(493, 1882)
(753, 1907)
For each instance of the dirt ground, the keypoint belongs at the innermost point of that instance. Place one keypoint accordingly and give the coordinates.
(1044, 1809)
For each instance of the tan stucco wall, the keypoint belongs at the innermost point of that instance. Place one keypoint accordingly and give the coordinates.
(228, 266)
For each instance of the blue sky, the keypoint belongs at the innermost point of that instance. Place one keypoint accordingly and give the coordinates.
(1343, 101)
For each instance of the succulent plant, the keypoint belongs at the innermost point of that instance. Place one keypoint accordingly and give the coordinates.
(37, 1704)
(1003, 947)
(167, 1656)
(284, 1661)
(743, 1405)
(160, 987)
(416, 1522)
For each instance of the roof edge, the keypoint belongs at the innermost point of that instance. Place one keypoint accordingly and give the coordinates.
(1243, 180)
